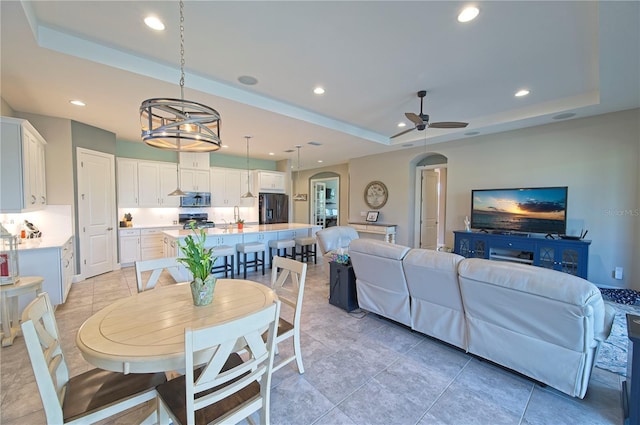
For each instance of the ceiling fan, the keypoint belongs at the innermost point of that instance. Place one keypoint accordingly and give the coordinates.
(422, 121)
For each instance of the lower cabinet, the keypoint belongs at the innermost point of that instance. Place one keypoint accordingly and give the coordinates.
(568, 256)
(56, 265)
(129, 242)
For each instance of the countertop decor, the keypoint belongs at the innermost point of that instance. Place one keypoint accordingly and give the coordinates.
(199, 260)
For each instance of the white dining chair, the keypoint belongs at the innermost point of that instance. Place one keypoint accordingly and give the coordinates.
(219, 385)
(287, 280)
(156, 267)
(86, 398)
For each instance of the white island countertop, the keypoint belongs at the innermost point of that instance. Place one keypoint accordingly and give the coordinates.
(247, 230)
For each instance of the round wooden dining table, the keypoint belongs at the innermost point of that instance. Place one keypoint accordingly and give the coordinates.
(145, 332)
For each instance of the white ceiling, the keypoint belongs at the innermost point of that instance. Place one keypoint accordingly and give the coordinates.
(371, 57)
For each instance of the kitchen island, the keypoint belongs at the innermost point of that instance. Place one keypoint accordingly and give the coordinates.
(230, 236)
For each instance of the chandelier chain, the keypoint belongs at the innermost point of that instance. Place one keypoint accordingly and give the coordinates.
(181, 49)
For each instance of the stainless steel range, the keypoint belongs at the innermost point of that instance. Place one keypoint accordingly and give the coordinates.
(199, 220)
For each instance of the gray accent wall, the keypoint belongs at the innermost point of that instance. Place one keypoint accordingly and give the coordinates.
(598, 158)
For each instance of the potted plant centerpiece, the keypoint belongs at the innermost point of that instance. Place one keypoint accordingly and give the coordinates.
(240, 223)
(199, 261)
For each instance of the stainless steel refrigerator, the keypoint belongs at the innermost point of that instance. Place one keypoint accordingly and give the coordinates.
(274, 208)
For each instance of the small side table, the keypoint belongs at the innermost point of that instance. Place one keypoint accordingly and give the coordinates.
(9, 305)
(342, 286)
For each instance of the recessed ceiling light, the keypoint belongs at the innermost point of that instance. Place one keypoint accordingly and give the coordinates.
(522, 92)
(77, 102)
(318, 90)
(314, 143)
(248, 80)
(564, 116)
(225, 146)
(468, 14)
(154, 23)
(401, 124)
(271, 153)
(320, 160)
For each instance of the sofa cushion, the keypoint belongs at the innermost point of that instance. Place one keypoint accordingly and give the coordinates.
(436, 305)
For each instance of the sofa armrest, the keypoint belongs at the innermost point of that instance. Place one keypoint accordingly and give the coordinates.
(609, 315)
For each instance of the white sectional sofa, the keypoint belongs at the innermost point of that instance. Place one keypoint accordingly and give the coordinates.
(544, 324)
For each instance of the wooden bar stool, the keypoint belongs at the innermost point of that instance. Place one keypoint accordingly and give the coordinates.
(227, 252)
(248, 248)
(307, 249)
(280, 244)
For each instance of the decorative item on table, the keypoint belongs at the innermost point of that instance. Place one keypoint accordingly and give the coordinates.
(240, 223)
(9, 273)
(341, 256)
(199, 261)
(467, 224)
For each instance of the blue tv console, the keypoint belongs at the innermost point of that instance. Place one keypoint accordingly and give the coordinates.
(568, 256)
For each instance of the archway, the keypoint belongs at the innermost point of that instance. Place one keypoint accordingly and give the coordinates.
(324, 208)
(430, 201)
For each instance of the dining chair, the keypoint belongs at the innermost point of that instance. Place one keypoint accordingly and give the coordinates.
(156, 267)
(86, 398)
(219, 385)
(287, 280)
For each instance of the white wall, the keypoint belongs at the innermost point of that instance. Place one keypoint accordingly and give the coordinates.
(597, 158)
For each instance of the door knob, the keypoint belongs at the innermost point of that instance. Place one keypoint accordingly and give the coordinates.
(109, 228)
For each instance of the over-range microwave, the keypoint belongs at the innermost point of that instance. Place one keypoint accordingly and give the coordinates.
(196, 200)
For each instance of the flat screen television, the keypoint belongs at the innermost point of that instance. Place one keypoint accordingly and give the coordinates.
(523, 210)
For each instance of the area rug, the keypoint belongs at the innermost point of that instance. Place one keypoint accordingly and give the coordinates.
(613, 352)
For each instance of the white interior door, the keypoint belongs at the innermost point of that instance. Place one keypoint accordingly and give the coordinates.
(96, 212)
(429, 226)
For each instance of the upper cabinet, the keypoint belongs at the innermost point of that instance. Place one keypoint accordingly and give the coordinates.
(146, 183)
(22, 160)
(226, 187)
(194, 180)
(270, 181)
(194, 160)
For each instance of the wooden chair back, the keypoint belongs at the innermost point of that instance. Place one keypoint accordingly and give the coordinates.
(156, 267)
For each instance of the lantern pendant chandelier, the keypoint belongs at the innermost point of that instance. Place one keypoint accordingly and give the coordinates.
(298, 196)
(178, 124)
(248, 194)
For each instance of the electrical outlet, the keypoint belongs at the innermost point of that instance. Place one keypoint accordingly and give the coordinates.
(617, 274)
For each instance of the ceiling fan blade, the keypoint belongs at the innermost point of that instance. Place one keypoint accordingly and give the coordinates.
(448, 124)
(402, 132)
(414, 118)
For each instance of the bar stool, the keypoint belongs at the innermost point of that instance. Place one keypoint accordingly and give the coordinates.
(279, 245)
(307, 246)
(248, 248)
(227, 252)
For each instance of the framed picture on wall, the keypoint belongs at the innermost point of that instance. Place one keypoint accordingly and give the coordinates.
(372, 216)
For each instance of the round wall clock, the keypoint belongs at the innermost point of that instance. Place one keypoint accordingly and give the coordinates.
(376, 194)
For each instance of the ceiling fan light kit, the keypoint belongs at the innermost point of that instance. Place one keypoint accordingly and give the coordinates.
(421, 121)
(178, 124)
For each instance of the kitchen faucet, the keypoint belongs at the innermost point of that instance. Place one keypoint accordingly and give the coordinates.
(225, 222)
(236, 213)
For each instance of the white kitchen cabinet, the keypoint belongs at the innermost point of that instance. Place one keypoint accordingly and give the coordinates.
(55, 264)
(226, 187)
(151, 243)
(22, 167)
(146, 183)
(194, 180)
(271, 181)
(129, 245)
(194, 160)
(127, 173)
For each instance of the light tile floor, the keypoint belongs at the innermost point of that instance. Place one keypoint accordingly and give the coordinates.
(360, 369)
